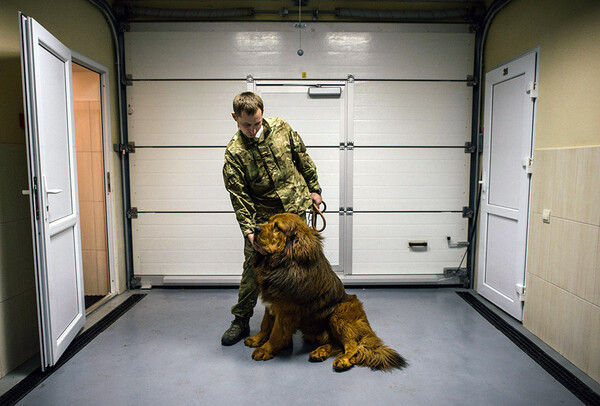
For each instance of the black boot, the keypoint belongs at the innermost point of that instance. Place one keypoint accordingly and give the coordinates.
(240, 328)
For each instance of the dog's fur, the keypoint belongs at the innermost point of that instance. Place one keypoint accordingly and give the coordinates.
(301, 292)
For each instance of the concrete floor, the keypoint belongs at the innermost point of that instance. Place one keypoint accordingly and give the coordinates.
(166, 351)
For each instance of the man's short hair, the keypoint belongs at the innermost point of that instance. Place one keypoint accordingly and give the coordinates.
(249, 102)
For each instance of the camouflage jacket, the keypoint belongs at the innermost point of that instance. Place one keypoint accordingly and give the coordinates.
(268, 174)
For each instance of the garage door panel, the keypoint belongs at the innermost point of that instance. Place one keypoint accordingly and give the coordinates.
(318, 121)
(412, 113)
(176, 113)
(410, 179)
(380, 242)
(222, 50)
(187, 244)
(161, 179)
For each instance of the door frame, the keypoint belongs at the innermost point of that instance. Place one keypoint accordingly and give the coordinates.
(106, 157)
(524, 217)
(344, 265)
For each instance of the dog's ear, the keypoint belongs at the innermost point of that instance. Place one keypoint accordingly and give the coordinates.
(304, 245)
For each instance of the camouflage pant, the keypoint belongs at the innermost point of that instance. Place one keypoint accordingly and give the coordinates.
(248, 291)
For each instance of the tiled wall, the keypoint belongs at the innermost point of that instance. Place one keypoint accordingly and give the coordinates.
(18, 309)
(90, 179)
(562, 305)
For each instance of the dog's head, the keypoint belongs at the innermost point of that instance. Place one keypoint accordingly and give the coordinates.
(289, 236)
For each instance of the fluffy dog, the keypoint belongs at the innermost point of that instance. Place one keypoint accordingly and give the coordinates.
(301, 292)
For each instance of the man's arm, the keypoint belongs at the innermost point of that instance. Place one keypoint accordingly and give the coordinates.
(235, 183)
(305, 165)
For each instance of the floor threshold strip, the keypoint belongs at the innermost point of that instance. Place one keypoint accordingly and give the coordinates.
(31, 381)
(550, 365)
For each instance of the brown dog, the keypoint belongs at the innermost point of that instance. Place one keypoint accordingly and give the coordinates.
(301, 292)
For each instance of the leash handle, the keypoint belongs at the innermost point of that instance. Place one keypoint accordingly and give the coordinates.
(315, 211)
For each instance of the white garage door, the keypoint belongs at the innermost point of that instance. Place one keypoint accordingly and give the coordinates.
(389, 150)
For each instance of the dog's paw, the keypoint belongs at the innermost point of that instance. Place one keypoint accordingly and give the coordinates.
(318, 355)
(254, 341)
(342, 364)
(260, 354)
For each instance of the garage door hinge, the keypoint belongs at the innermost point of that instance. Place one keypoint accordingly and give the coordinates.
(125, 149)
(129, 80)
(467, 212)
(471, 80)
(132, 213)
(470, 148)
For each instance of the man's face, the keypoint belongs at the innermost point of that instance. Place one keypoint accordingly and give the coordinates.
(249, 124)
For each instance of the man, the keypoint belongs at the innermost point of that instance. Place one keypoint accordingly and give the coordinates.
(267, 171)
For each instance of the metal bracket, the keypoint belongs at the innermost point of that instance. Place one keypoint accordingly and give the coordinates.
(461, 273)
(125, 149)
(470, 148)
(129, 79)
(349, 211)
(342, 146)
(521, 291)
(350, 78)
(249, 78)
(135, 282)
(460, 244)
(132, 213)
(471, 80)
(467, 212)
(527, 164)
(532, 90)
(350, 145)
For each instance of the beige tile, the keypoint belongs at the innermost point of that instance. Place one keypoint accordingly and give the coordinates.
(98, 176)
(84, 176)
(96, 126)
(576, 330)
(100, 226)
(90, 281)
(596, 297)
(564, 188)
(587, 195)
(102, 272)
(88, 226)
(594, 350)
(534, 309)
(573, 256)
(542, 180)
(538, 246)
(81, 111)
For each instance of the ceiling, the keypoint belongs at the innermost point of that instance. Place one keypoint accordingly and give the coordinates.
(439, 11)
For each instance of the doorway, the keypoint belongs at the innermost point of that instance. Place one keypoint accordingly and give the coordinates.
(91, 180)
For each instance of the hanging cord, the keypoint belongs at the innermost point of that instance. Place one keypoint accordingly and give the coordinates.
(314, 213)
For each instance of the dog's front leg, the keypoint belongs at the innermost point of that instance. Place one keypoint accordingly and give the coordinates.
(284, 327)
(265, 330)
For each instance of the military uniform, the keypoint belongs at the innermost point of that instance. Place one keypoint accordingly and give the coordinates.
(264, 176)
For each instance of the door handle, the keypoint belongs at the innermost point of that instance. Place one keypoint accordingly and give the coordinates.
(53, 191)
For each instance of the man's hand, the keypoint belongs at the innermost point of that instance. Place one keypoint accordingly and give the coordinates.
(256, 247)
(316, 198)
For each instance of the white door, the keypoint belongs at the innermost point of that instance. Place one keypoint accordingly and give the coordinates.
(508, 138)
(320, 120)
(47, 84)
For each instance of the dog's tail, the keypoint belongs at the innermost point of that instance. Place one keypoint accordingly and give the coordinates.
(374, 354)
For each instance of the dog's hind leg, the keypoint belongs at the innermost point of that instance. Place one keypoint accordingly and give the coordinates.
(325, 347)
(265, 331)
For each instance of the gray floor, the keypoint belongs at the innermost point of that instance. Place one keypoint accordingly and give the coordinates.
(166, 351)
